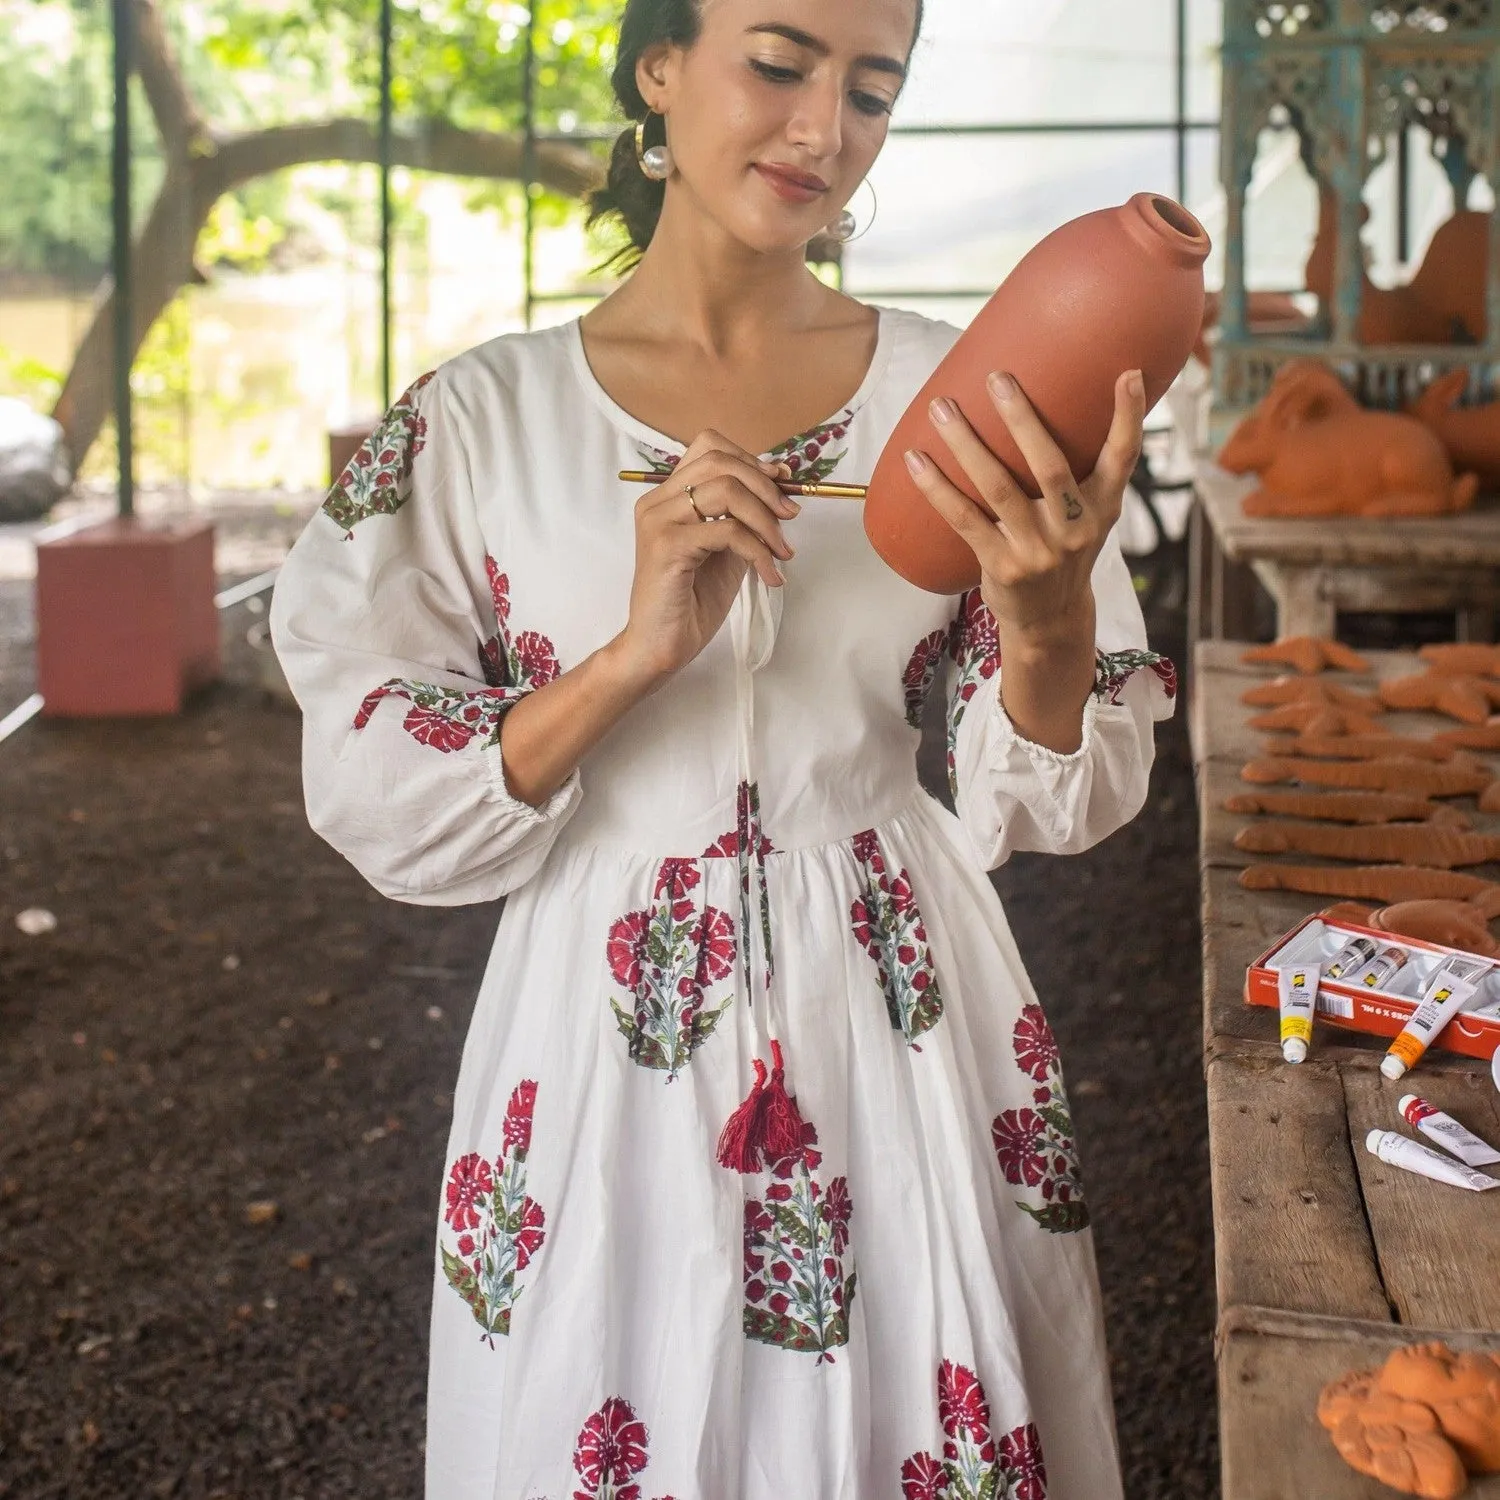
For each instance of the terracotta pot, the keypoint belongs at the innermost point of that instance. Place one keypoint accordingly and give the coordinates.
(1116, 290)
(1319, 453)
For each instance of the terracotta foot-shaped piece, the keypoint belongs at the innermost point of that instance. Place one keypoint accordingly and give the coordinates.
(1282, 690)
(1375, 746)
(1390, 1439)
(1467, 658)
(1387, 883)
(1323, 719)
(1463, 1391)
(1307, 654)
(1394, 843)
(1466, 697)
(1412, 777)
(1347, 807)
(1454, 924)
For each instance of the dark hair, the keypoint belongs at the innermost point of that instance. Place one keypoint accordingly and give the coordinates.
(628, 194)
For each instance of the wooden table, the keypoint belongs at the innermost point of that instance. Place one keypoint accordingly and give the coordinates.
(1314, 568)
(1326, 1258)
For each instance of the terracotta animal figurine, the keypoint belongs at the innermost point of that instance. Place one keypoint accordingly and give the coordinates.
(1471, 434)
(1443, 303)
(1454, 924)
(1116, 290)
(1319, 453)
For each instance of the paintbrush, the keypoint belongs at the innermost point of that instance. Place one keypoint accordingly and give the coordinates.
(786, 486)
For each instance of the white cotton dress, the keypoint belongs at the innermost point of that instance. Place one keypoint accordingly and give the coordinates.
(903, 1301)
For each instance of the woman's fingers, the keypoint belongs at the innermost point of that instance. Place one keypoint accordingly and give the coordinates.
(1061, 492)
(983, 533)
(1122, 447)
(732, 535)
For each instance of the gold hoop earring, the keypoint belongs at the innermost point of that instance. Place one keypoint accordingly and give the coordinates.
(655, 162)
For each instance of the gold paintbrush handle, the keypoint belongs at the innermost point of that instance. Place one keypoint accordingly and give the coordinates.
(786, 486)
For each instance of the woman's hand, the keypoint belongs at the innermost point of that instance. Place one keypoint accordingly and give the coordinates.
(688, 570)
(1036, 557)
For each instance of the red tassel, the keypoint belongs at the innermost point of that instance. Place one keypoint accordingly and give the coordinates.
(783, 1124)
(742, 1138)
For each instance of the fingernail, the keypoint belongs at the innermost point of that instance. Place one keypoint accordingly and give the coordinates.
(1135, 384)
(940, 410)
(915, 462)
(790, 504)
(1002, 385)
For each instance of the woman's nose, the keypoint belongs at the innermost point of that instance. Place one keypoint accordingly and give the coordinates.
(817, 127)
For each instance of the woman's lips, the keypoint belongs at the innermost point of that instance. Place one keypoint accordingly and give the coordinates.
(793, 189)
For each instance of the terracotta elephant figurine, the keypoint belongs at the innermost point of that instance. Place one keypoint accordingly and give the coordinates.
(1319, 453)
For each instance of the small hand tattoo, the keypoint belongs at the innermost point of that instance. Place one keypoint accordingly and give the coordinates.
(1072, 508)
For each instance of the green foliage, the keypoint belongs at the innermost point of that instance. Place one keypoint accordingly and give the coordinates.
(258, 63)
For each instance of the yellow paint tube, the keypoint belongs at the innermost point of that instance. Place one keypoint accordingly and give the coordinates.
(1298, 990)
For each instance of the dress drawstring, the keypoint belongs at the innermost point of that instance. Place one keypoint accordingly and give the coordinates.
(766, 1125)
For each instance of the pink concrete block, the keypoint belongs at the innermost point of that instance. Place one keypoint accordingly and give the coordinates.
(125, 617)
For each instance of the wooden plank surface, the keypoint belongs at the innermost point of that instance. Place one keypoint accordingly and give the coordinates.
(1438, 1246)
(1289, 1225)
(1467, 542)
(1271, 1369)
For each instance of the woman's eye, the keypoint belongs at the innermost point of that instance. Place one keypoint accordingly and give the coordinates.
(870, 104)
(774, 73)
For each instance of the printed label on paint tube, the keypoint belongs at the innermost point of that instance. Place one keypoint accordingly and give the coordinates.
(1444, 999)
(1412, 1156)
(1298, 991)
(1388, 961)
(1447, 1132)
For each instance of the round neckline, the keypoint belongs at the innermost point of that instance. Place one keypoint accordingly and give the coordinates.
(885, 336)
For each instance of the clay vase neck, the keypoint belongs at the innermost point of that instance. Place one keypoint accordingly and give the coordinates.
(1115, 290)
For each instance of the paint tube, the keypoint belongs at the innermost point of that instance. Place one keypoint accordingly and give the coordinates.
(1412, 1156)
(1298, 989)
(1447, 1132)
(1355, 954)
(1390, 960)
(1455, 981)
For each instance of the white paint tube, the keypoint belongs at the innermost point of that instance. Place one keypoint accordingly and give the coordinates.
(1298, 991)
(1447, 1132)
(1412, 1156)
(1455, 981)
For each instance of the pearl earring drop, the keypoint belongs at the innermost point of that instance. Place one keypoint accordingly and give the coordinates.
(655, 161)
(842, 228)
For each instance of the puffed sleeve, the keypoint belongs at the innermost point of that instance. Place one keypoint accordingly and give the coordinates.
(1012, 794)
(389, 619)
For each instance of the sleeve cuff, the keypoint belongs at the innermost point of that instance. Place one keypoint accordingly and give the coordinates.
(1006, 733)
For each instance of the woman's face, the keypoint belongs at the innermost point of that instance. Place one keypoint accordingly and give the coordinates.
(779, 109)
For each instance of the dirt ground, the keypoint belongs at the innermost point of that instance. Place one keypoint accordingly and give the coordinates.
(225, 1016)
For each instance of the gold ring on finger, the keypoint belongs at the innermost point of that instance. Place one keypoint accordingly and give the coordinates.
(694, 504)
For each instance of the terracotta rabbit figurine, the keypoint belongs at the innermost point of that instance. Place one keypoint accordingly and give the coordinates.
(1471, 434)
(1319, 453)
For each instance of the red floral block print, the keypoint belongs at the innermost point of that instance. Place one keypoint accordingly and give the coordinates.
(749, 845)
(1035, 1147)
(888, 926)
(377, 480)
(921, 671)
(669, 958)
(491, 1229)
(974, 1465)
(526, 661)
(797, 1295)
(613, 1447)
(809, 455)
(974, 644)
(1113, 669)
(444, 718)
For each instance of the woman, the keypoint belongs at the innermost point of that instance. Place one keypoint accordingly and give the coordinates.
(761, 1182)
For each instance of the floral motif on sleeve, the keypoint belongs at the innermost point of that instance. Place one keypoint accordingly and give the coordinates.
(613, 1447)
(797, 1295)
(975, 1465)
(529, 660)
(491, 1228)
(888, 926)
(1113, 669)
(442, 717)
(1035, 1146)
(974, 644)
(377, 480)
(669, 957)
